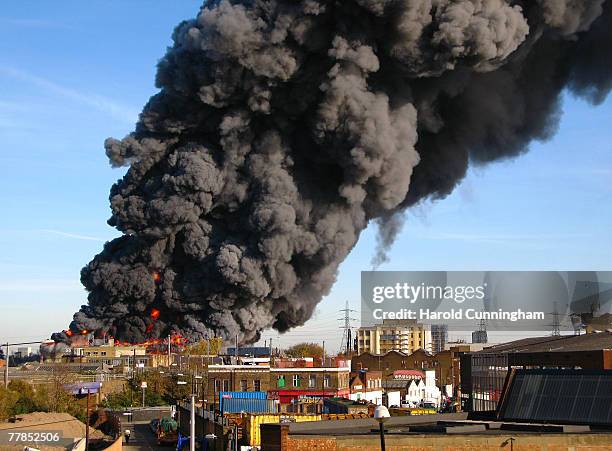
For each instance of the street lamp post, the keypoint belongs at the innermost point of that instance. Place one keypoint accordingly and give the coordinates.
(381, 414)
(87, 423)
(191, 418)
(143, 385)
(192, 424)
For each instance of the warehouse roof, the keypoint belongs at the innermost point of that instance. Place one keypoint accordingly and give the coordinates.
(564, 343)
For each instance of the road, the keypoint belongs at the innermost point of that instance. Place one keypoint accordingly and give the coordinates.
(142, 438)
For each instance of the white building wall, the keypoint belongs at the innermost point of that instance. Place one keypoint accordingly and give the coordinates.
(424, 390)
(374, 396)
(394, 398)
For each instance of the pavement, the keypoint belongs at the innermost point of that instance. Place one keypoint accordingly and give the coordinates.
(142, 438)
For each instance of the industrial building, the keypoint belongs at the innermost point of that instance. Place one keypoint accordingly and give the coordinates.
(484, 373)
(394, 335)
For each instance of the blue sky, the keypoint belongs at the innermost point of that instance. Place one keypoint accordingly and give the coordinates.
(73, 73)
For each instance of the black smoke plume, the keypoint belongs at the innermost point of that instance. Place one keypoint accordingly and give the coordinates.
(282, 128)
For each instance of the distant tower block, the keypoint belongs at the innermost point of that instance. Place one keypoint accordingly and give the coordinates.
(439, 337)
(480, 335)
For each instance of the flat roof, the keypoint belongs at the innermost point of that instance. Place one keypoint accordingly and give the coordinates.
(311, 370)
(431, 425)
(564, 343)
(365, 425)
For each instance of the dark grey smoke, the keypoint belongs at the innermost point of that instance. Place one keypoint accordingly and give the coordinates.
(283, 127)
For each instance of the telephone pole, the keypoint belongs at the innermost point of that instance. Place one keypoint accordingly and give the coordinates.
(6, 368)
(346, 345)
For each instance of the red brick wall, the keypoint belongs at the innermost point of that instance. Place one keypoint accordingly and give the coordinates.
(552, 442)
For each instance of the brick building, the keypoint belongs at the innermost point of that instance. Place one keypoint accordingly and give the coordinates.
(288, 384)
(366, 385)
(445, 363)
(236, 378)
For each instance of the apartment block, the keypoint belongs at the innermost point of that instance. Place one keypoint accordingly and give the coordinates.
(394, 335)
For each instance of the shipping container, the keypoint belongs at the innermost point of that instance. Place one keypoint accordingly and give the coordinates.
(248, 405)
(254, 421)
(244, 395)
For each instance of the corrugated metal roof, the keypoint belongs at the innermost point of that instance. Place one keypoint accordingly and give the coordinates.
(564, 343)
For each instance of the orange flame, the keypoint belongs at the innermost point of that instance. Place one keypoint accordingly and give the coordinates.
(157, 345)
(84, 332)
(69, 333)
(155, 314)
(156, 277)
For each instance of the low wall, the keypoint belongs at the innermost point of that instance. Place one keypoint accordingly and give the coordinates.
(276, 437)
(533, 442)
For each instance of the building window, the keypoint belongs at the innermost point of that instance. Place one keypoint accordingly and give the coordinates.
(257, 385)
(312, 381)
(243, 385)
(296, 380)
(226, 385)
(217, 385)
(326, 381)
(281, 381)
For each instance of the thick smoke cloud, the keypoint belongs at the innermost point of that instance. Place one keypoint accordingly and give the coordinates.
(283, 127)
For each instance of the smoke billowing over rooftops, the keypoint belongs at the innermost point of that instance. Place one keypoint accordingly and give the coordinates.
(283, 127)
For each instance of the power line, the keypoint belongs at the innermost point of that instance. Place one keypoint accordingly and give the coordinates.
(347, 334)
(556, 324)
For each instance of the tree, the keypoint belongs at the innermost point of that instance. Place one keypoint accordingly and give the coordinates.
(201, 347)
(118, 401)
(162, 389)
(305, 350)
(8, 398)
(57, 397)
(25, 399)
(21, 397)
